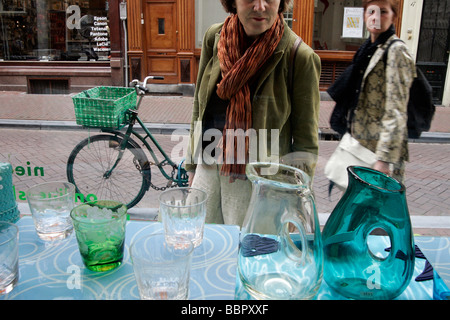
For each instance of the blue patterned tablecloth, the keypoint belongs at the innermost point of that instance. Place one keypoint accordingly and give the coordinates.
(437, 251)
(415, 291)
(55, 270)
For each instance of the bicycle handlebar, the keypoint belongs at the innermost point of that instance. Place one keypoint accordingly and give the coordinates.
(143, 87)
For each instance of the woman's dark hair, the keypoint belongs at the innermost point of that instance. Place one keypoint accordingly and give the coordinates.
(228, 5)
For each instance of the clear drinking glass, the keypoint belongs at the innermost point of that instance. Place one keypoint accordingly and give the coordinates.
(162, 269)
(9, 256)
(100, 230)
(50, 204)
(183, 212)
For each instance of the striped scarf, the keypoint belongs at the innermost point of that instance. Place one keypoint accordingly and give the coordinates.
(238, 67)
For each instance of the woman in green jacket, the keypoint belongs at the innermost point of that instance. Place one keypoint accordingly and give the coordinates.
(242, 90)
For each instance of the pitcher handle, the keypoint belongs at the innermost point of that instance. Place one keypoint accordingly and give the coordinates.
(294, 252)
(288, 241)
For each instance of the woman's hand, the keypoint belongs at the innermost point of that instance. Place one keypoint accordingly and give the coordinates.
(382, 167)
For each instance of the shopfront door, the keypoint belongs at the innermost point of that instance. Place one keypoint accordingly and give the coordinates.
(161, 30)
(434, 45)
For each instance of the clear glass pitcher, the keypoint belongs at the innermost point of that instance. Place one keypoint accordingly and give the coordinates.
(280, 252)
(356, 262)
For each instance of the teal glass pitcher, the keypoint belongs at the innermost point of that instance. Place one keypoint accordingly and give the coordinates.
(280, 252)
(356, 262)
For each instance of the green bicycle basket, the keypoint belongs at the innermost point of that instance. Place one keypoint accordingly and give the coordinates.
(104, 107)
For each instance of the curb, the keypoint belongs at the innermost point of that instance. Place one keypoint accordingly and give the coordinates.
(150, 214)
(432, 137)
(156, 128)
(168, 128)
(420, 222)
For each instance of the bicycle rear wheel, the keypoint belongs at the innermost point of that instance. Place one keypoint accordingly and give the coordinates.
(89, 169)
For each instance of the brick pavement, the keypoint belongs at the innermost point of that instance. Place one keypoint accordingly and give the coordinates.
(154, 109)
(428, 174)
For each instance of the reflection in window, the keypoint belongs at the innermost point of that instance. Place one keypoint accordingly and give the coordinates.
(288, 18)
(55, 30)
(329, 21)
(288, 15)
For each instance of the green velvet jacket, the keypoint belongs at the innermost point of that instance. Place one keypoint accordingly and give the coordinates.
(295, 114)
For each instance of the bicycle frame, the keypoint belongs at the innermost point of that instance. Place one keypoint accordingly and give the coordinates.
(181, 179)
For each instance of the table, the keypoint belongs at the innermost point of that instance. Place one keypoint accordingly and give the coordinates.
(55, 270)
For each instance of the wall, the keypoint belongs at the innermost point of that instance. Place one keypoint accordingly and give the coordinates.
(207, 13)
(412, 17)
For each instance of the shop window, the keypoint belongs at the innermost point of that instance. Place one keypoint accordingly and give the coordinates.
(331, 70)
(338, 25)
(48, 86)
(55, 30)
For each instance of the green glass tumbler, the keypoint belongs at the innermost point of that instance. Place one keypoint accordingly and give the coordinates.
(372, 211)
(100, 231)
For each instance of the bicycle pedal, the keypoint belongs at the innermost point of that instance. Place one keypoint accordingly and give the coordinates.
(171, 184)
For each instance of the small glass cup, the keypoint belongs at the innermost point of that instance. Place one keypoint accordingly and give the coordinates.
(162, 269)
(183, 212)
(50, 204)
(100, 231)
(9, 256)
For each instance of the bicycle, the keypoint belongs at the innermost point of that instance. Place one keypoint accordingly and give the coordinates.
(103, 164)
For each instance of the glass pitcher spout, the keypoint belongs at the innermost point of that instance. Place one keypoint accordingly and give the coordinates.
(280, 255)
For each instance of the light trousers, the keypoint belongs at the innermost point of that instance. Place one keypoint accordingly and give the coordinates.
(227, 201)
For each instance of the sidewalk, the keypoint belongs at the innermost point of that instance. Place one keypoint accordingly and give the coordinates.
(428, 173)
(163, 112)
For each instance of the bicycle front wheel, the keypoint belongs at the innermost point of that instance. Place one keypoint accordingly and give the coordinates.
(98, 172)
